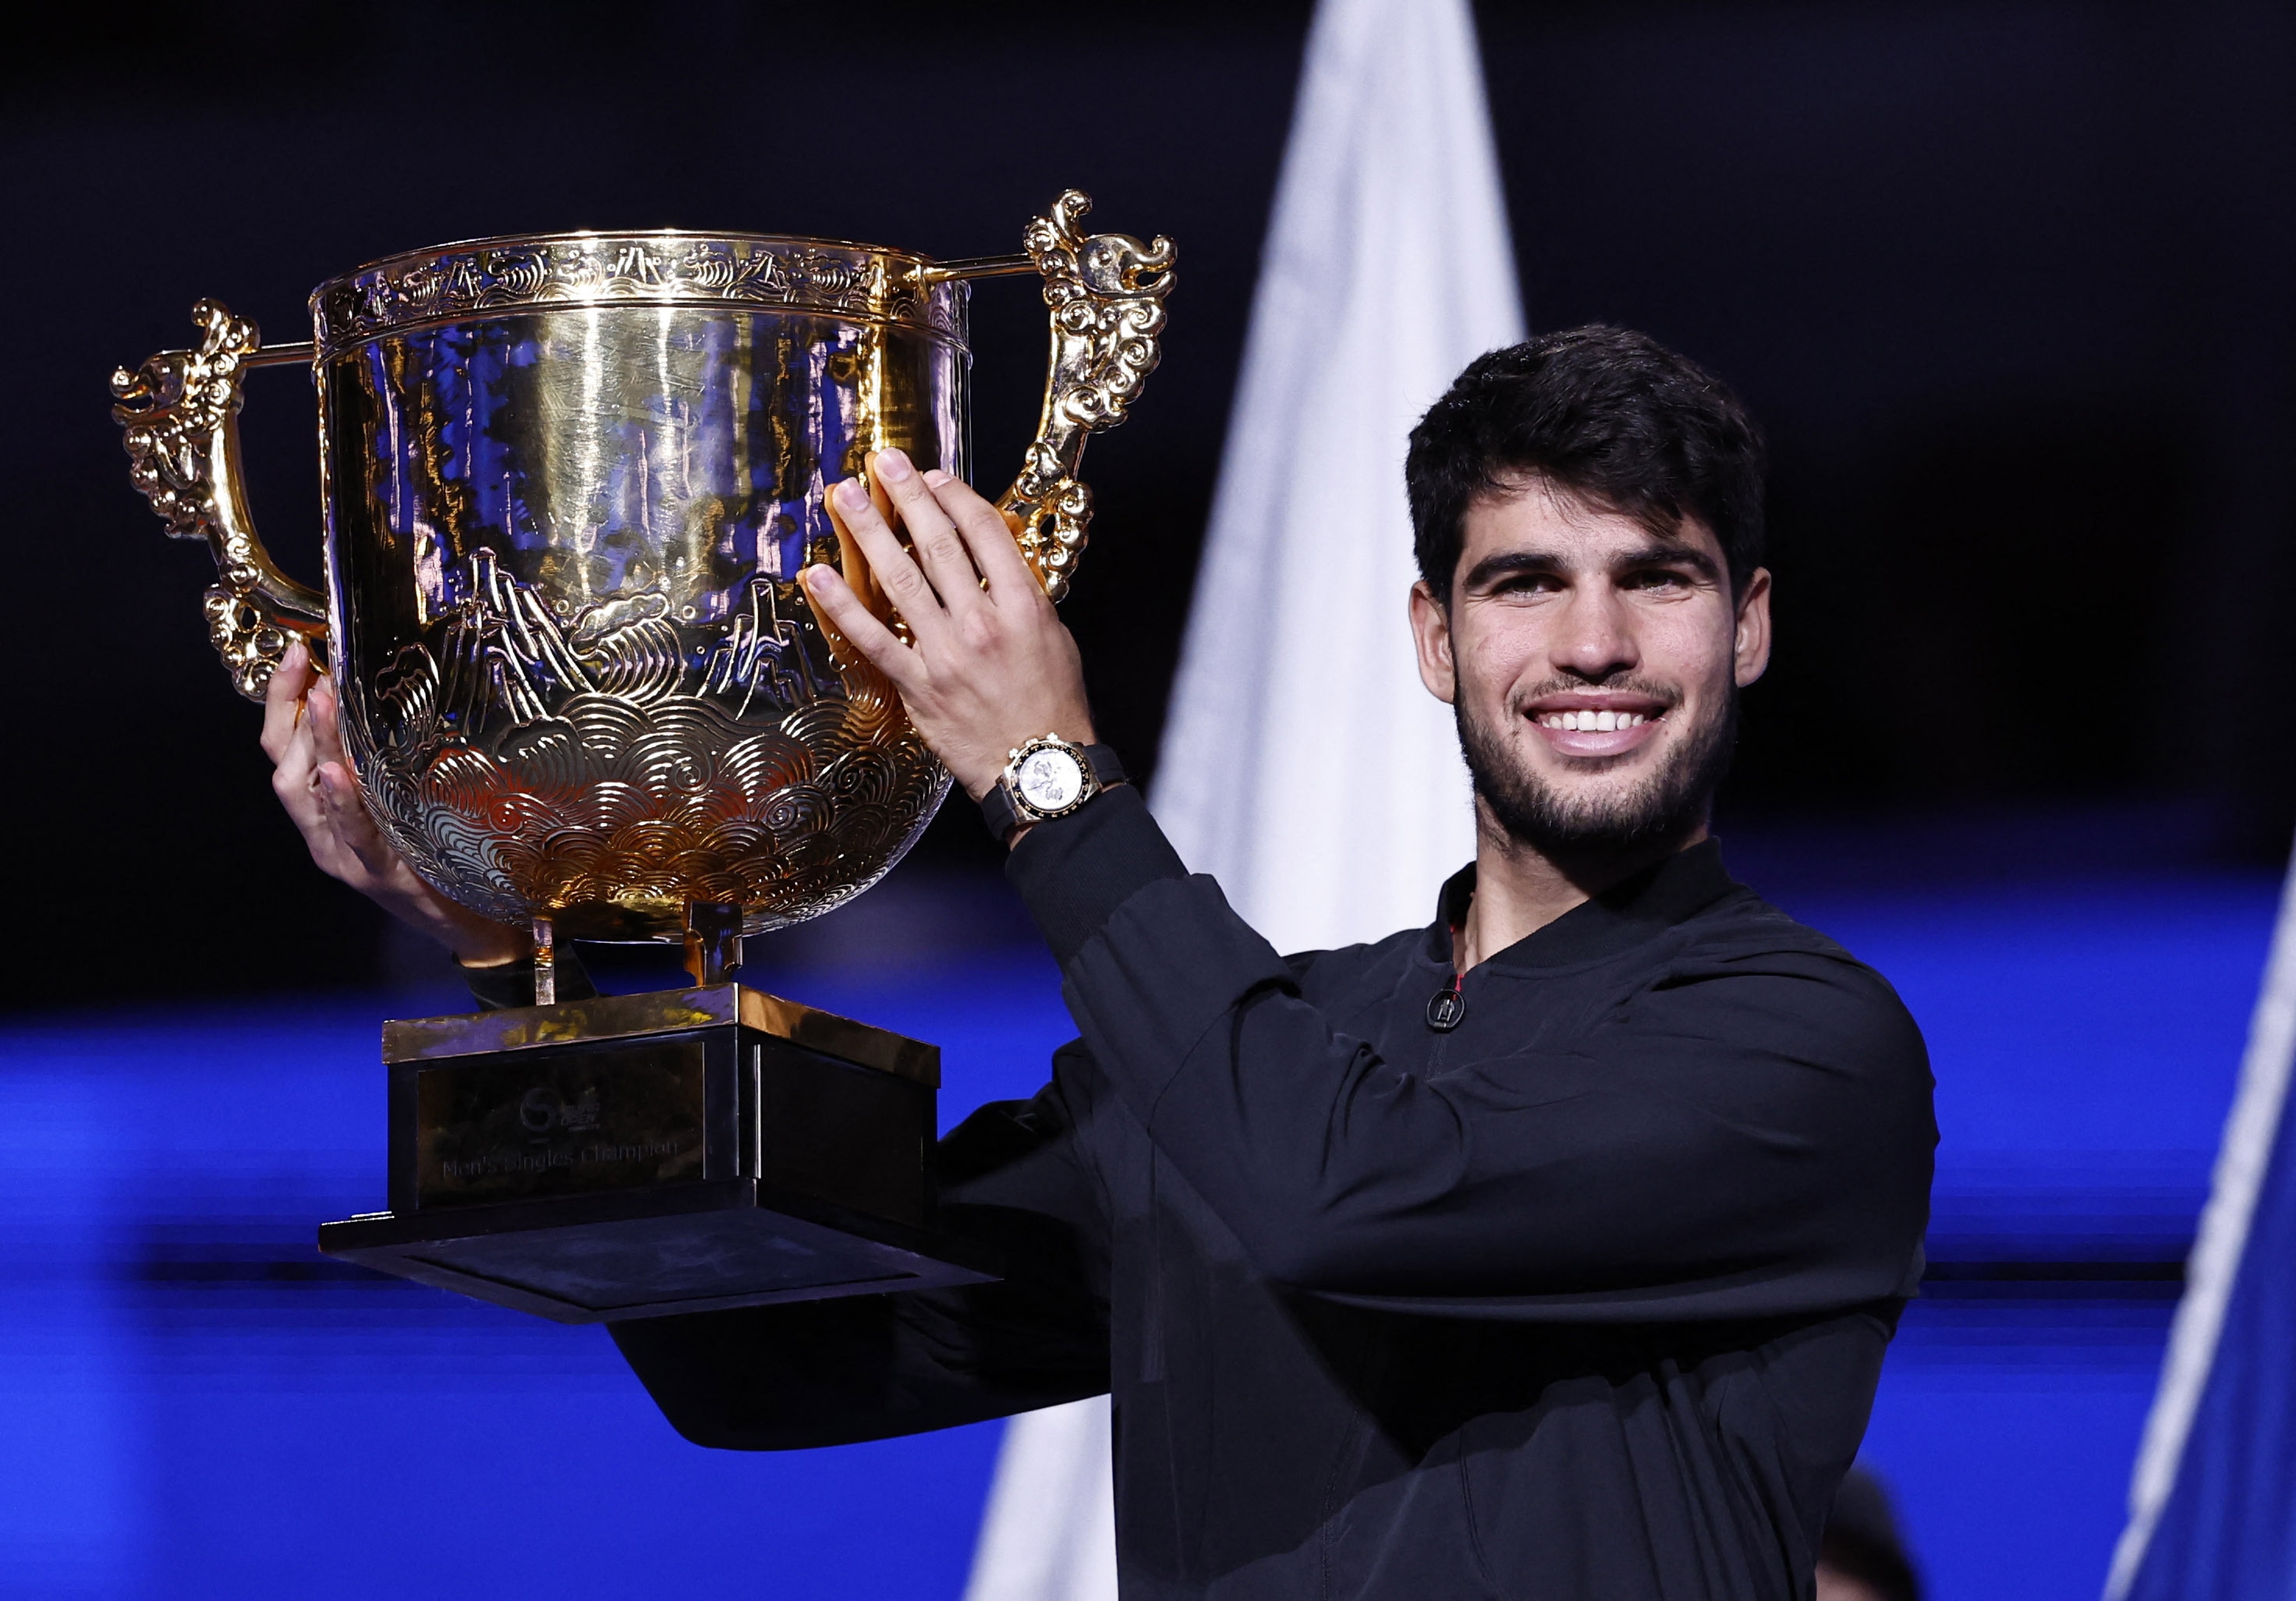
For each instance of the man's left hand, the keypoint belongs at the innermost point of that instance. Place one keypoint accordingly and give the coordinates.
(990, 665)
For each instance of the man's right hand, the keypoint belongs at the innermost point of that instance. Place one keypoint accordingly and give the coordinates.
(303, 737)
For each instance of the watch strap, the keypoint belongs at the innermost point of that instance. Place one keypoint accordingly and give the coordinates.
(998, 812)
(1105, 765)
(1002, 813)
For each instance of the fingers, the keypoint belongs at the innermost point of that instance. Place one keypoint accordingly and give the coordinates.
(836, 601)
(296, 782)
(287, 737)
(283, 699)
(311, 751)
(354, 828)
(323, 717)
(902, 580)
(988, 538)
(337, 793)
(939, 549)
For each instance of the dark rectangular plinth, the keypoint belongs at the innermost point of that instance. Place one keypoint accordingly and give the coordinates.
(649, 1253)
(632, 1156)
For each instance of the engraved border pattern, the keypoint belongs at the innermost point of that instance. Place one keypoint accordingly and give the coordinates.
(545, 272)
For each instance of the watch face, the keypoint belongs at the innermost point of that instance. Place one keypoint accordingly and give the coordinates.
(1050, 780)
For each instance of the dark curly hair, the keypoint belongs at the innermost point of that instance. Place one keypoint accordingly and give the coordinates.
(1610, 415)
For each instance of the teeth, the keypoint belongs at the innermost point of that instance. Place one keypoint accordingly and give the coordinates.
(1592, 722)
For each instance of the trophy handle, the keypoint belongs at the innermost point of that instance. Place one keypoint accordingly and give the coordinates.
(1106, 292)
(180, 411)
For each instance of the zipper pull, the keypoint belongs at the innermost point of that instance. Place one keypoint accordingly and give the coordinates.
(1447, 1008)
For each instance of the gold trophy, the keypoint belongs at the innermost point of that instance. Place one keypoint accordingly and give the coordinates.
(570, 480)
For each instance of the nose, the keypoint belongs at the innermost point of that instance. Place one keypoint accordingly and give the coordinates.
(1595, 639)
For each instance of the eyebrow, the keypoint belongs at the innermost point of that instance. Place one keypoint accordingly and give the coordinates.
(1673, 554)
(1506, 563)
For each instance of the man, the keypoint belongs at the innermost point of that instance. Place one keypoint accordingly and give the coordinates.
(1547, 1250)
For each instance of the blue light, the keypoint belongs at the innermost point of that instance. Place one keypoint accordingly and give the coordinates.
(194, 1403)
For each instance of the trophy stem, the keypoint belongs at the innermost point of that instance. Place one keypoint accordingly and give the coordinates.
(545, 963)
(713, 940)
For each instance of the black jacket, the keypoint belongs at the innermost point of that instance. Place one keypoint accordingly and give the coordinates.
(1587, 1297)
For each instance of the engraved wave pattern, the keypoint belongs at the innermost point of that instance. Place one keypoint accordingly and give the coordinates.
(641, 662)
(611, 798)
(609, 802)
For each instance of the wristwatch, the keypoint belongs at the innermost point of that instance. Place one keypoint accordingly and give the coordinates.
(1047, 779)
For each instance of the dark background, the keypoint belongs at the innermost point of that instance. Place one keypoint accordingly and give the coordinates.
(2009, 284)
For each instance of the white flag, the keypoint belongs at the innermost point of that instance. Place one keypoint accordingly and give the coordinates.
(1050, 1530)
(1304, 765)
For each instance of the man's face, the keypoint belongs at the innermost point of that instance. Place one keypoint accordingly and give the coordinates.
(1594, 669)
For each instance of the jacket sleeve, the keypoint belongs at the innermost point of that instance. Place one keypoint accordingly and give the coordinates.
(867, 1367)
(1746, 1136)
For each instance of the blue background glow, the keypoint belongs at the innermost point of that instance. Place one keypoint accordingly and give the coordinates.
(192, 1404)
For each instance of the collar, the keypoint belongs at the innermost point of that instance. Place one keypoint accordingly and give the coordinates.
(1622, 917)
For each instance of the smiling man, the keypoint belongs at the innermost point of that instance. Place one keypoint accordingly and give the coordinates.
(1548, 1250)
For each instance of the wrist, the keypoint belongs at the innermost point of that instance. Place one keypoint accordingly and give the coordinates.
(985, 773)
(1044, 779)
(474, 941)
(476, 957)
(492, 944)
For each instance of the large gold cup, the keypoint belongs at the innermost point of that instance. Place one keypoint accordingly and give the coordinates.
(569, 482)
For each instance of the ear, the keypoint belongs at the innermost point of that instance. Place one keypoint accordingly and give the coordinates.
(1430, 634)
(1751, 649)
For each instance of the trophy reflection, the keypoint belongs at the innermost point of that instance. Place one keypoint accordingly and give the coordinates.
(569, 482)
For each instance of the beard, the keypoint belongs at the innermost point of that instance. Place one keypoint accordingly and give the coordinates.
(1666, 806)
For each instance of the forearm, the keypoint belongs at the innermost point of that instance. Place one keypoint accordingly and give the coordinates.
(1190, 1014)
(867, 1367)
(833, 1372)
(1663, 1158)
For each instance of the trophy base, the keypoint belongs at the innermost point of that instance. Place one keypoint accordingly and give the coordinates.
(650, 1253)
(638, 1156)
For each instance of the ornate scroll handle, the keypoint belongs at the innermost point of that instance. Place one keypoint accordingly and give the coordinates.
(1107, 293)
(180, 411)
